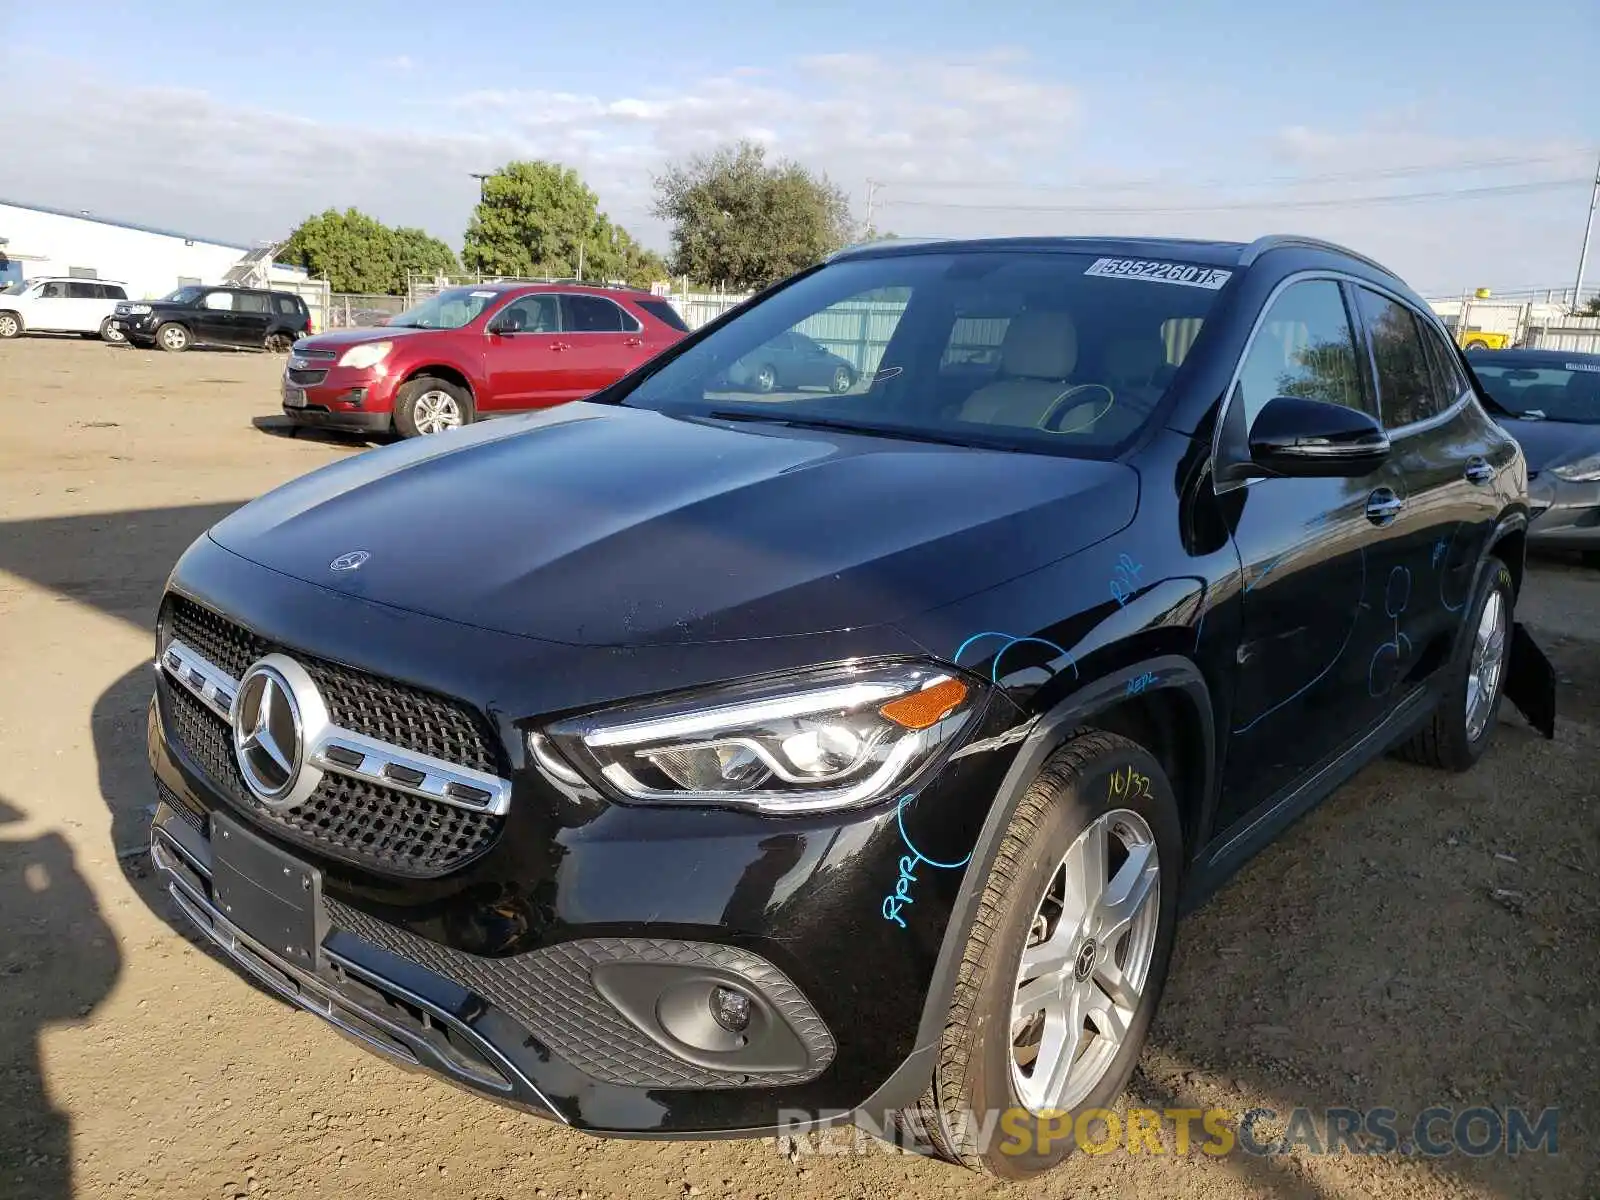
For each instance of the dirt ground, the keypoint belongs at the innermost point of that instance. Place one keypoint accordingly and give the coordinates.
(1420, 940)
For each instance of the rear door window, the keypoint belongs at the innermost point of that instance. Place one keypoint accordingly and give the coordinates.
(591, 314)
(1406, 387)
(250, 302)
(83, 291)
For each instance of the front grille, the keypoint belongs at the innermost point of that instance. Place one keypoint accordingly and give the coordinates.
(182, 807)
(309, 353)
(304, 378)
(345, 818)
(382, 709)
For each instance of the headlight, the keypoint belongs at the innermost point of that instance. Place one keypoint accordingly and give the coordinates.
(1583, 470)
(137, 310)
(831, 738)
(367, 354)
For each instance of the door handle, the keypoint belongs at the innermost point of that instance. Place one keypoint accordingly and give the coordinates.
(561, 345)
(1383, 506)
(1478, 470)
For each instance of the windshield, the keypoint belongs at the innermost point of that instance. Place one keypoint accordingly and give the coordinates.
(1552, 391)
(450, 309)
(1065, 353)
(14, 288)
(184, 295)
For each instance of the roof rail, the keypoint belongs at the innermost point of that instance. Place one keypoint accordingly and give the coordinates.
(889, 241)
(1283, 241)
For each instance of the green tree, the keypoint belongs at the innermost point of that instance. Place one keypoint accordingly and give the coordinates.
(420, 253)
(540, 218)
(358, 253)
(1593, 309)
(742, 222)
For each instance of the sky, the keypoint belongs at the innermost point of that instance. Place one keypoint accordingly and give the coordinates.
(1202, 118)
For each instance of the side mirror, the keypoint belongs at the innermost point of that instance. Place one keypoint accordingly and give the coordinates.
(1294, 436)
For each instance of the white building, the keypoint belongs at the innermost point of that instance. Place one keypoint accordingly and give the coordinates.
(37, 241)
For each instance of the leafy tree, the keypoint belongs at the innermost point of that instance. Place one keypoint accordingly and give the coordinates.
(1593, 310)
(358, 253)
(540, 218)
(420, 253)
(742, 222)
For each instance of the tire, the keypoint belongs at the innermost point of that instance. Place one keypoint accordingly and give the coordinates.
(979, 1070)
(765, 378)
(112, 336)
(422, 407)
(278, 343)
(174, 338)
(1451, 740)
(1475, 345)
(10, 325)
(843, 380)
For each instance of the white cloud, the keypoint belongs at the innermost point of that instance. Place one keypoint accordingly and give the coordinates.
(994, 122)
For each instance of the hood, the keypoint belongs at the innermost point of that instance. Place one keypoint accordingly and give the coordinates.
(602, 525)
(1548, 443)
(364, 333)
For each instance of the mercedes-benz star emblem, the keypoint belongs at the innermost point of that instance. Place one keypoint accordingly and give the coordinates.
(349, 562)
(277, 717)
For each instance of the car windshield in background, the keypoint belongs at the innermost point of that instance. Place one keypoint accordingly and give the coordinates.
(1063, 353)
(15, 288)
(184, 295)
(1551, 387)
(450, 309)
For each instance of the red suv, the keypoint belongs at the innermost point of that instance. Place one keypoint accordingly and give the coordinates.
(478, 351)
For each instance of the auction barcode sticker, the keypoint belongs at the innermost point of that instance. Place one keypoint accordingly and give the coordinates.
(1210, 278)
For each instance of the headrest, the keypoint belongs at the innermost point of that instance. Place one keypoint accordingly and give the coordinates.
(1039, 345)
(1135, 358)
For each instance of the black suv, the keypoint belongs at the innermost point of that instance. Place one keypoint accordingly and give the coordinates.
(247, 318)
(740, 758)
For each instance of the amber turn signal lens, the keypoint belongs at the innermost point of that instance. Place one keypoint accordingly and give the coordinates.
(928, 707)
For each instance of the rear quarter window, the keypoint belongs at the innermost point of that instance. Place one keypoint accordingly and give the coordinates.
(665, 313)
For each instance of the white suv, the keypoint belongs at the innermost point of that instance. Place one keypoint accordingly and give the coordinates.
(61, 306)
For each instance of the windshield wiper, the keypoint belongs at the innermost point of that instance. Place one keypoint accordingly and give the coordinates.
(826, 423)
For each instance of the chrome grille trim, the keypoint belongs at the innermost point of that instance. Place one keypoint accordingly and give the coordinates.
(380, 763)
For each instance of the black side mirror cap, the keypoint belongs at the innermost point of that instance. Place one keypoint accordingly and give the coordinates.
(1293, 436)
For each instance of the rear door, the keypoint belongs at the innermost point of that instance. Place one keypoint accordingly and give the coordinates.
(250, 319)
(1450, 455)
(1315, 563)
(85, 308)
(527, 358)
(606, 342)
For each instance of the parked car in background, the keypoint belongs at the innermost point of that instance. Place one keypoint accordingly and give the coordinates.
(793, 360)
(1549, 400)
(63, 305)
(478, 351)
(668, 764)
(197, 315)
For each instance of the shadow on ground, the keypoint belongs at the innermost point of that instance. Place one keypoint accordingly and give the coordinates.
(58, 959)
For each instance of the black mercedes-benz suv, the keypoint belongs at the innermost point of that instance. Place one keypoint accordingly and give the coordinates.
(676, 761)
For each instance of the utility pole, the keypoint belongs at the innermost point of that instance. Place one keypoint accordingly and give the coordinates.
(872, 190)
(1588, 228)
(480, 179)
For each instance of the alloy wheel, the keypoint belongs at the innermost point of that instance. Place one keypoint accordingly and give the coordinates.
(766, 379)
(842, 380)
(435, 411)
(9, 328)
(174, 338)
(1090, 947)
(1486, 665)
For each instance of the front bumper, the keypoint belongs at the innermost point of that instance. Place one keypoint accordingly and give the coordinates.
(517, 942)
(1570, 516)
(350, 421)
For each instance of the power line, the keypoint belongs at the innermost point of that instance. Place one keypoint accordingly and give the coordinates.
(1170, 179)
(1100, 210)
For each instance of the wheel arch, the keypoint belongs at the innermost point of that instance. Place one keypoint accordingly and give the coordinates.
(1175, 691)
(444, 371)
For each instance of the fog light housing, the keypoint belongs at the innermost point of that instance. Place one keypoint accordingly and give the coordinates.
(730, 1008)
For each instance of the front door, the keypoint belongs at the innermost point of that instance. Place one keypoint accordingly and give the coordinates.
(51, 308)
(1319, 566)
(527, 357)
(213, 321)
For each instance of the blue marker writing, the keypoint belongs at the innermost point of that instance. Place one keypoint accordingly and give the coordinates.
(1125, 579)
(1135, 686)
(901, 895)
